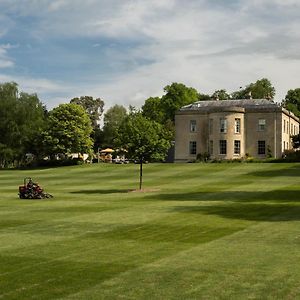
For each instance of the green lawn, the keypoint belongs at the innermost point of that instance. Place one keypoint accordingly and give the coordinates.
(198, 231)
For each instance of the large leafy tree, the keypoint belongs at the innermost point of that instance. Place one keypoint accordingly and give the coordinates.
(176, 96)
(93, 107)
(221, 95)
(144, 139)
(162, 110)
(68, 130)
(153, 110)
(292, 101)
(261, 89)
(113, 117)
(22, 118)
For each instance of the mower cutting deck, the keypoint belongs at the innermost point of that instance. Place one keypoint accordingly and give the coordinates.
(31, 190)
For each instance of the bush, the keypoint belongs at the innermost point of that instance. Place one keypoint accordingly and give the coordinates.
(203, 157)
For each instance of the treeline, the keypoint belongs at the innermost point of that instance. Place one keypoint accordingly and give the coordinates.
(26, 126)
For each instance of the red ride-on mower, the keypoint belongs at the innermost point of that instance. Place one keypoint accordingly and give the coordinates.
(31, 190)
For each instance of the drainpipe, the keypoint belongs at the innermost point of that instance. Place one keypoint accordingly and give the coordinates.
(275, 135)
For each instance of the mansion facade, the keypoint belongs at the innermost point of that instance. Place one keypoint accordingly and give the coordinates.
(232, 129)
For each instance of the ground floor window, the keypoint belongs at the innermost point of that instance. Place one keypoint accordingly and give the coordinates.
(193, 147)
(211, 147)
(237, 147)
(261, 145)
(223, 147)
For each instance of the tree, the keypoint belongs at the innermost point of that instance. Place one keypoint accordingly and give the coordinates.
(22, 118)
(261, 89)
(221, 95)
(292, 101)
(68, 130)
(177, 95)
(112, 120)
(93, 107)
(153, 110)
(144, 139)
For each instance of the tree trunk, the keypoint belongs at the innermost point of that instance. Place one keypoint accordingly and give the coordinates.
(141, 172)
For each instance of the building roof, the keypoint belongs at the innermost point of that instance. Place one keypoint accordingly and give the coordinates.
(262, 105)
(245, 103)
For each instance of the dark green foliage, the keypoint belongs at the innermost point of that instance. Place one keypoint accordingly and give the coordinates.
(176, 96)
(221, 95)
(292, 101)
(153, 110)
(261, 89)
(68, 130)
(22, 118)
(93, 107)
(113, 117)
(143, 138)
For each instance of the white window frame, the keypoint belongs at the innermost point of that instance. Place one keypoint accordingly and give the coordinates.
(223, 125)
(237, 125)
(262, 124)
(193, 125)
(237, 146)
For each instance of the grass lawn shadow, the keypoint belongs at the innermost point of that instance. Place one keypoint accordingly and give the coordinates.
(103, 192)
(291, 171)
(250, 212)
(282, 196)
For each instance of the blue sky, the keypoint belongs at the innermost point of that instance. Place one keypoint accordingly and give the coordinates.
(125, 51)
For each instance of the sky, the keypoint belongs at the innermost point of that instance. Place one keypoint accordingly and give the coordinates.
(125, 51)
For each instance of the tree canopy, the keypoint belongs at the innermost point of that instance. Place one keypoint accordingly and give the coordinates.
(292, 101)
(176, 96)
(144, 139)
(93, 107)
(261, 89)
(113, 117)
(22, 118)
(68, 130)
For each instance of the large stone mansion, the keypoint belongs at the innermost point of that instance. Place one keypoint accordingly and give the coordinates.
(231, 129)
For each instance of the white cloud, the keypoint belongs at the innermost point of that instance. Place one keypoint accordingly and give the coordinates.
(205, 44)
(5, 61)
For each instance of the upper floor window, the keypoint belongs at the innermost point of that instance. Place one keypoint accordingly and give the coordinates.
(237, 125)
(223, 147)
(283, 126)
(261, 124)
(261, 147)
(193, 147)
(193, 125)
(211, 124)
(223, 125)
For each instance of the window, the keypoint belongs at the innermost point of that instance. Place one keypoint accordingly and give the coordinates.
(211, 147)
(283, 145)
(193, 147)
(223, 125)
(237, 147)
(193, 125)
(237, 126)
(223, 146)
(211, 126)
(261, 124)
(283, 126)
(261, 147)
